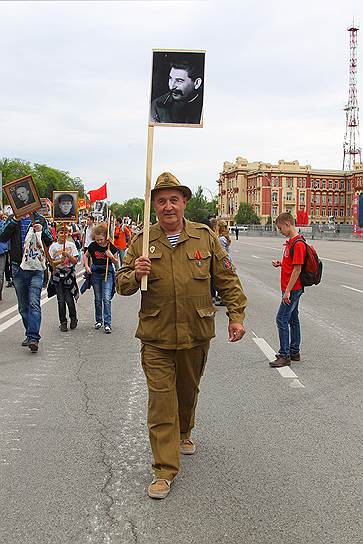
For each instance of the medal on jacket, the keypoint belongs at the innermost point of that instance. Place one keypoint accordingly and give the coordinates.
(152, 249)
(198, 256)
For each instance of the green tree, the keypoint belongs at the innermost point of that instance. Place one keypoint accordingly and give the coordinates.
(46, 178)
(198, 207)
(246, 215)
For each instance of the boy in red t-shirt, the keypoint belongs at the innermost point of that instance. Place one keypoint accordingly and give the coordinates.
(287, 318)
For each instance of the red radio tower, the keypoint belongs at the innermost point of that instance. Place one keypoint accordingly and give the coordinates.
(351, 149)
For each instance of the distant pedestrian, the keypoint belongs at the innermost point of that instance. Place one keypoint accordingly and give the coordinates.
(87, 233)
(236, 231)
(99, 251)
(287, 318)
(64, 257)
(122, 237)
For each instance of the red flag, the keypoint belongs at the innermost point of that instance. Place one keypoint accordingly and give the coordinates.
(98, 194)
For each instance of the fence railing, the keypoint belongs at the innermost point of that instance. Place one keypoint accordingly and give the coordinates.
(311, 232)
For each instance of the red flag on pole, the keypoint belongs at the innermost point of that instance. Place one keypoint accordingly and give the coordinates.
(98, 194)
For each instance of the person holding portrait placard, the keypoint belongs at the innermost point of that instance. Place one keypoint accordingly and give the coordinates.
(176, 320)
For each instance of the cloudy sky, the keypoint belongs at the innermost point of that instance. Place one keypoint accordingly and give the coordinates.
(75, 84)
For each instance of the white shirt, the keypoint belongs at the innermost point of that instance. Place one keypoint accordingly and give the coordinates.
(55, 251)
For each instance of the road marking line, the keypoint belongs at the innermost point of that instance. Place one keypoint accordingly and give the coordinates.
(285, 371)
(15, 307)
(265, 348)
(341, 262)
(17, 318)
(352, 288)
(256, 257)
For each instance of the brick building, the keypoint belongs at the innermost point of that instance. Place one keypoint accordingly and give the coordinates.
(324, 195)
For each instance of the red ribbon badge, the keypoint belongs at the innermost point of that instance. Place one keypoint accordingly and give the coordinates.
(197, 255)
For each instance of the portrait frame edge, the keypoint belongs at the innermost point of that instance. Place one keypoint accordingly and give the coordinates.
(25, 210)
(74, 218)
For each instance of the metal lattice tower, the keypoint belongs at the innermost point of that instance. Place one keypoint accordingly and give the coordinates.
(351, 149)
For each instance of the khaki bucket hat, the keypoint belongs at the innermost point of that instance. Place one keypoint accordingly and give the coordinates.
(166, 180)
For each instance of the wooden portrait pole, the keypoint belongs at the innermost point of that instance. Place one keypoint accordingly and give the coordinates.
(149, 163)
(108, 245)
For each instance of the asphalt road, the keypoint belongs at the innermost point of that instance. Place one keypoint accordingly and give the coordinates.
(277, 459)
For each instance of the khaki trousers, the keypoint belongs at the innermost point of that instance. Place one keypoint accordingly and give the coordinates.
(173, 378)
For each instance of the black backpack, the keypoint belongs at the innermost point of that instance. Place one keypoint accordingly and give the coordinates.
(312, 268)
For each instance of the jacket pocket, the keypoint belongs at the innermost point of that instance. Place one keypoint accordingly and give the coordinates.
(204, 327)
(199, 266)
(156, 266)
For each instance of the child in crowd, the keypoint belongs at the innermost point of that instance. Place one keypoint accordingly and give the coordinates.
(64, 256)
(101, 250)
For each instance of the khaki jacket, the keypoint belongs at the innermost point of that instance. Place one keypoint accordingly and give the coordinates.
(177, 310)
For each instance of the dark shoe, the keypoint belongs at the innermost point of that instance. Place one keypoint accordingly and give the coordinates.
(280, 362)
(10, 284)
(33, 345)
(25, 343)
(63, 327)
(295, 356)
(73, 324)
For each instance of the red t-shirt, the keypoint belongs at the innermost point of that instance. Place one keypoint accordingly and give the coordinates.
(287, 264)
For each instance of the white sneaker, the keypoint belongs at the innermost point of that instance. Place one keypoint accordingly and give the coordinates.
(98, 326)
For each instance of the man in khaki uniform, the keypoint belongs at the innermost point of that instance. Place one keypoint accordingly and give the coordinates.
(176, 320)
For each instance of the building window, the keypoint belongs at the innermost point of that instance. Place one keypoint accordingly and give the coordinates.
(323, 184)
(317, 198)
(330, 184)
(341, 212)
(348, 185)
(274, 196)
(348, 212)
(274, 210)
(288, 196)
(335, 212)
(342, 184)
(330, 199)
(336, 198)
(323, 212)
(302, 198)
(336, 184)
(289, 183)
(323, 199)
(342, 199)
(329, 212)
(312, 198)
(349, 199)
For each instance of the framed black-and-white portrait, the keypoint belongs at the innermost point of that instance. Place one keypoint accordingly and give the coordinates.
(177, 88)
(100, 210)
(65, 206)
(23, 196)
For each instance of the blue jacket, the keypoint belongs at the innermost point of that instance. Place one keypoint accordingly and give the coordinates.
(11, 232)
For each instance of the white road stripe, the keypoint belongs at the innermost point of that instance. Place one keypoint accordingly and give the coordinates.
(285, 371)
(17, 318)
(256, 257)
(352, 288)
(341, 262)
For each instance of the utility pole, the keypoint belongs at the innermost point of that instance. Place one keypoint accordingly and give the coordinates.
(351, 149)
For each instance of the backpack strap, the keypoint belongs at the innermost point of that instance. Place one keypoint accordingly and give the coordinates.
(300, 239)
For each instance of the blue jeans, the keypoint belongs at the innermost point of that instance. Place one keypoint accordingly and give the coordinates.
(28, 287)
(288, 316)
(103, 292)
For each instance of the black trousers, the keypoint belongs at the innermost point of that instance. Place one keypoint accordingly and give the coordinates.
(65, 297)
(8, 268)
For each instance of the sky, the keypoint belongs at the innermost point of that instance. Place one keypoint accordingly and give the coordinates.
(75, 86)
